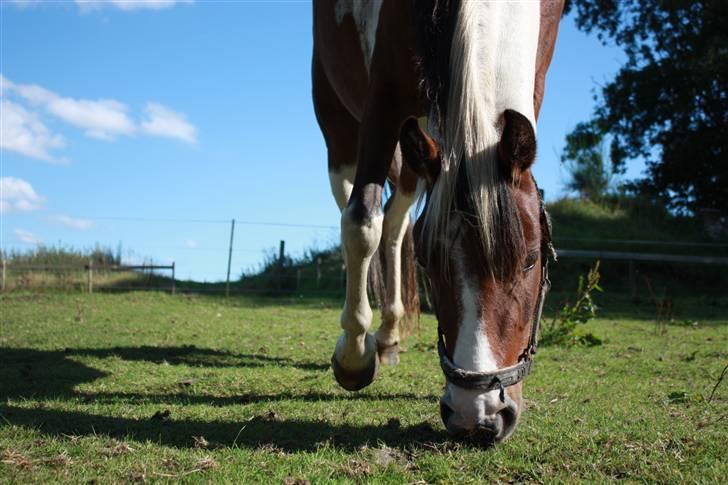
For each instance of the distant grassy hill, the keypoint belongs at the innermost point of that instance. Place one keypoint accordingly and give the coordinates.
(582, 224)
(634, 225)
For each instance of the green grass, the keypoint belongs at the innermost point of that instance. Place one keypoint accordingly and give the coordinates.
(129, 387)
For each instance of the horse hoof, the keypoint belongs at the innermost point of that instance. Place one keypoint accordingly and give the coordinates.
(388, 354)
(356, 380)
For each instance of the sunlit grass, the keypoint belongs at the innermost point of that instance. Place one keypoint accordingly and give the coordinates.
(145, 386)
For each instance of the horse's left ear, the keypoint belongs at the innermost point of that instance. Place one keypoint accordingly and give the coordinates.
(517, 147)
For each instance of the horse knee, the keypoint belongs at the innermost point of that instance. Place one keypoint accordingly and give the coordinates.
(360, 233)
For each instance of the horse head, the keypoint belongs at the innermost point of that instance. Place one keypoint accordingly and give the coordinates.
(487, 294)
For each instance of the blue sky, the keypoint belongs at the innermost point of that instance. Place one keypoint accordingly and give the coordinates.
(154, 123)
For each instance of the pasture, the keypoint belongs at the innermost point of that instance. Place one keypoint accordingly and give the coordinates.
(151, 387)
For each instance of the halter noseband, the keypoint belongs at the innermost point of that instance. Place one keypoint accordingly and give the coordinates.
(507, 376)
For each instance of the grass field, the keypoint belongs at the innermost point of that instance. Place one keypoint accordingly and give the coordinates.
(141, 386)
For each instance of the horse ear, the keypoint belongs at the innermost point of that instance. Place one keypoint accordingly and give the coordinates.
(517, 148)
(420, 152)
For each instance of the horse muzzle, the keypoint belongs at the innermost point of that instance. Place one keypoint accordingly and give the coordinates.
(475, 419)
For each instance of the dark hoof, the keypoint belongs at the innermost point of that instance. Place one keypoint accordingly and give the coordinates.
(354, 381)
(388, 354)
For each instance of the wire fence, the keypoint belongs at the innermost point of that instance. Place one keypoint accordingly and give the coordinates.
(696, 267)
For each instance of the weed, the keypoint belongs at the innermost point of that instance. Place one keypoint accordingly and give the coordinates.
(567, 327)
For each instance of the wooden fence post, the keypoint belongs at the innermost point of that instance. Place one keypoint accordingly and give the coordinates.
(281, 255)
(174, 280)
(318, 272)
(90, 275)
(298, 279)
(230, 258)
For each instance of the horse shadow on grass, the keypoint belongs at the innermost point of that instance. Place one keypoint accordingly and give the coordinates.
(54, 375)
(26, 372)
(33, 373)
(268, 430)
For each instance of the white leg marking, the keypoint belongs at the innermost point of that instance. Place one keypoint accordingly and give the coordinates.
(355, 346)
(396, 221)
(342, 182)
(366, 18)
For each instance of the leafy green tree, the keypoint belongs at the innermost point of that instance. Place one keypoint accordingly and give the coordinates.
(668, 104)
(584, 159)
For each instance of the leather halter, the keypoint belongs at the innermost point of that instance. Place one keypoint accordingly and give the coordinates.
(507, 376)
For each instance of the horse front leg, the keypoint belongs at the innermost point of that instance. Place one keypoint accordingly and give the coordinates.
(355, 362)
(396, 221)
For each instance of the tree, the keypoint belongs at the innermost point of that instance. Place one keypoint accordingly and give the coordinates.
(668, 104)
(584, 160)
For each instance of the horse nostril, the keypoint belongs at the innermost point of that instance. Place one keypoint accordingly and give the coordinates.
(445, 412)
(508, 420)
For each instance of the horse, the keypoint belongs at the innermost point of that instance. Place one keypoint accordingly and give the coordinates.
(441, 98)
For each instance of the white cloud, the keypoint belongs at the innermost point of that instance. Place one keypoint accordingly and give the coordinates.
(73, 223)
(22, 131)
(162, 121)
(87, 5)
(17, 195)
(191, 243)
(27, 237)
(103, 118)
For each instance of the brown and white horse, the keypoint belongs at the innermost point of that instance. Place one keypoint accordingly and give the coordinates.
(452, 87)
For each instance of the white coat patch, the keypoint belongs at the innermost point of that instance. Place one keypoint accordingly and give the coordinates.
(366, 18)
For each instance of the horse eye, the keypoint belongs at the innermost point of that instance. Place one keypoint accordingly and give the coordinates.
(530, 261)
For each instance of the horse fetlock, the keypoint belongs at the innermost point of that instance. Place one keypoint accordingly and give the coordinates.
(393, 313)
(356, 323)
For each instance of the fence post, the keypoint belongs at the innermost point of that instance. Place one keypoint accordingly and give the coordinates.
(5, 263)
(298, 279)
(281, 255)
(90, 275)
(174, 280)
(230, 258)
(318, 272)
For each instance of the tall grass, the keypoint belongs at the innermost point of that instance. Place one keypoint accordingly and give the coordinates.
(62, 256)
(66, 268)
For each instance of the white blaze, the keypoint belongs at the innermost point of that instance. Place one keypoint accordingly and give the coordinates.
(472, 351)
